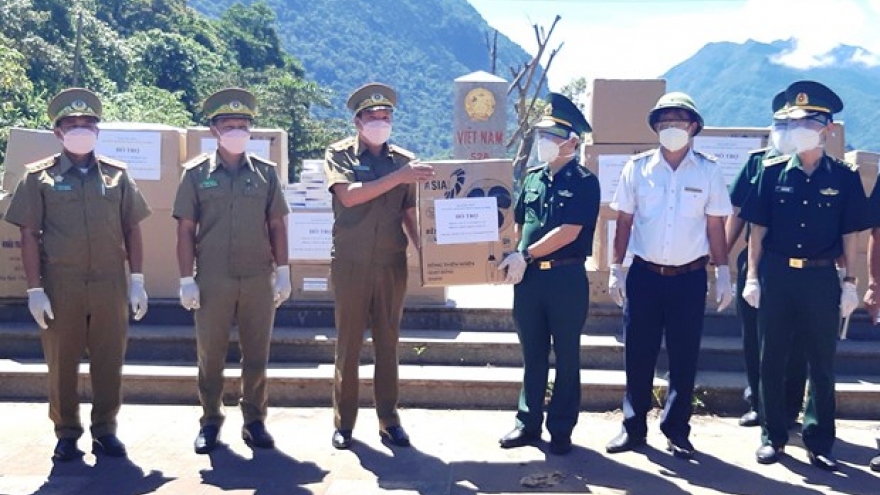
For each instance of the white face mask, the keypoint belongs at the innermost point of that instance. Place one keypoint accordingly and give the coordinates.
(235, 141)
(781, 141)
(547, 150)
(673, 138)
(79, 141)
(804, 139)
(376, 132)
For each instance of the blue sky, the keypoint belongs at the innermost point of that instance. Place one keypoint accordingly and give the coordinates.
(645, 38)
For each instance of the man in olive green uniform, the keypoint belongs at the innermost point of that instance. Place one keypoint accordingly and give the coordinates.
(796, 375)
(555, 214)
(806, 212)
(373, 187)
(79, 216)
(232, 235)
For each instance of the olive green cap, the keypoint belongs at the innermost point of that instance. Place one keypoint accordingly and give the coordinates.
(805, 97)
(74, 102)
(373, 96)
(230, 102)
(676, 100)
(562, 113)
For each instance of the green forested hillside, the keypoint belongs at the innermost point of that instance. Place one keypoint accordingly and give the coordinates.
(153, 61)
(417, 46)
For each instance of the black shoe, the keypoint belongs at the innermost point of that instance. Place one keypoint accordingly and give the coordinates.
(396, 435)
(342, 439)
(875, 463)
(823, 461)
(624, 442)
(768, 454)
(680, 447)
(206, 441)
(749, 419)
(65, 450)
(518, 437)
(254, 434)
(108, 445)
(560, 445)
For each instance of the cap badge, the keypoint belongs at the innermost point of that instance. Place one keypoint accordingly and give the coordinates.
(78, 105)
(235, 104)
(548, 110)
(377, 97)
(802, 99)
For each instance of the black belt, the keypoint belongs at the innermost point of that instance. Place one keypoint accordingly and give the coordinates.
(548, 264)
(805, 262)
(668, 271)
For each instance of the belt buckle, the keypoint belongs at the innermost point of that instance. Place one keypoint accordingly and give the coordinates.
(545, 265)
(796, 262)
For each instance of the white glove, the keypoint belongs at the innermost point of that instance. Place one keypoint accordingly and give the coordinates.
(723, 287)
(516, 267)
(189, 294)
(849, 299)
(752, 292)
(281, 288)
(617, 284)
(38, 304)
(137, 295)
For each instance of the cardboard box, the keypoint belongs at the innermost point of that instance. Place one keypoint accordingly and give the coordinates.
(13, 283)
(466, 186)
(314, 282)
(270, 144)
(26, 146)
(310, 235)
(731, 146)
(835, 141)
(161, 272)
(607, 161)
(617, 109)
(868, 162)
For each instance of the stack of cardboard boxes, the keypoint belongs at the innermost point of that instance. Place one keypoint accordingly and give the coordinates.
(868, 162)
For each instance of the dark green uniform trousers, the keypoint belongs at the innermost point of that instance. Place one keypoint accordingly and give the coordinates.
(90, 316)
(803, 306)
(550, 308)
(367, 296)
(795, 375)
(227, 301)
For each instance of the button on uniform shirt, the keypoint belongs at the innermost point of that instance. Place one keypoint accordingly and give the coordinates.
(231, 207)
(371, 232)
(806, 216)
(571, 196)
(669, 207)
(83, 213)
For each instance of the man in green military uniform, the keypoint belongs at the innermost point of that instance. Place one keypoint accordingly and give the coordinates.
(796, 375)
(373, 187)
(79, 215)
(806, 211)
(232, 254)
(555, 216)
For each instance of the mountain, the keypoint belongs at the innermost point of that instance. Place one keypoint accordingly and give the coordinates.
(417, 46)
(733, 84)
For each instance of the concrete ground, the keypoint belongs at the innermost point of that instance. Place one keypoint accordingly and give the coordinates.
(454, 452)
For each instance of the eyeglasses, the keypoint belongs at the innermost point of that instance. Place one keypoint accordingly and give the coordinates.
(677, 123)
(813, 122)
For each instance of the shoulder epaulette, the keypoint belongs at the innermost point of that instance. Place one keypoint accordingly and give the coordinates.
(776, 160)
(43, 164)
(582, 171)
(258, 159)
(760, 151)
(845, 164)
(707, 156)
(643, 154)
(536, 168)
(196, 161)
(104, 160)
(401, 151)
(342, 144)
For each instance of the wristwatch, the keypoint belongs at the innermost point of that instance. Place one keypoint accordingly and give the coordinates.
(527, 256)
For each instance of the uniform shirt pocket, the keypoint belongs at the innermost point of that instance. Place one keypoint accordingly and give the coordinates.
(693, 202)
(532, 203)
(649, 200)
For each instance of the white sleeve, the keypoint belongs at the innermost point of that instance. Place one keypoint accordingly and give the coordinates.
(625, 196)
(719, 197)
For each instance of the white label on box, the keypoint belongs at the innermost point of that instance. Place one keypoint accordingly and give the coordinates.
(466, 220)
(628, 258)
(310, 236)
(140, 150)
(610, 167)
(731, 152)
(259, 147)
(315, 284)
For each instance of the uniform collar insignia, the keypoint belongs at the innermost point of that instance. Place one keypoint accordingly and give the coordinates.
(565, 193)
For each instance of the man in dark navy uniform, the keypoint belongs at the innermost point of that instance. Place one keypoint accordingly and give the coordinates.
(805, 211)
(796, 374)
(555, 213)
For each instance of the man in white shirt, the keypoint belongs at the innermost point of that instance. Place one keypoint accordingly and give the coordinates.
(671, 205)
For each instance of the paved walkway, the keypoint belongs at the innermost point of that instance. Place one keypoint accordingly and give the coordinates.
(454, 452)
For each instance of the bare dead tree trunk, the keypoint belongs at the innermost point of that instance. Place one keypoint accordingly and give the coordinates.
(492, 46)
(528, 90)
